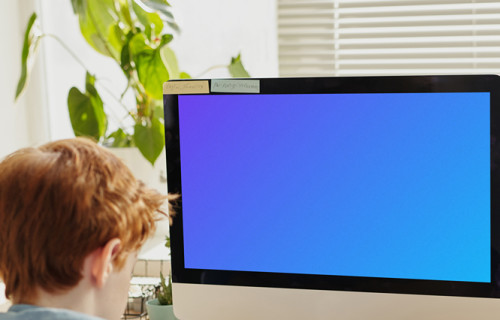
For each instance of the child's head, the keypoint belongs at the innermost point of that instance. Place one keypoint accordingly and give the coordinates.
(59, 203)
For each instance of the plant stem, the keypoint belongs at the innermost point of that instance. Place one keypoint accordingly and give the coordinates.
(125, 91)
(101, 37)
(87, 69)
(117, 100)
(53, 36)
(220, 66)
(117, 119)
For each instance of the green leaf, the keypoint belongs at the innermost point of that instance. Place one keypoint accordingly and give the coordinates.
(184, 75)
(124, 13)
(236, 68)
(97, 103)
(170, 61)
(77, 6)
(161, 295)
(158, 111)
(169, 290)
(165, 292)
(149, 64)
(97, 24)
(125, 59)
(165, 39)
(89, 83)
(174, 26)
(86, 111)
(31, 42)
(162, 7)
(152, 72)
(138, 44)
(159, 2)
(150, 139)
(116, 37)
(148, 19)
(120, 139)
(82, 115)
(148, 31)
(167, 242)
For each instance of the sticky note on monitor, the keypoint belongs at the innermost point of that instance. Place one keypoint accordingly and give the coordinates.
(235, 86)
(186, 87)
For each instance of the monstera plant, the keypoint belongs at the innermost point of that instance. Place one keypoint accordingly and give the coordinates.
(134, 34)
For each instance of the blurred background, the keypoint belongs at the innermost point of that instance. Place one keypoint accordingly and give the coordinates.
(286, 38)
(211, 33)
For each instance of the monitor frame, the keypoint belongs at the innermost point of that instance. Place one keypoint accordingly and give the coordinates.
(391, 84)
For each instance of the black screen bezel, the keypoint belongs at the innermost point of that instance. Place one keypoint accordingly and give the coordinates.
(396, 84)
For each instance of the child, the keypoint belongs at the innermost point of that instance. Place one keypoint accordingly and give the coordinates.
(72, 219)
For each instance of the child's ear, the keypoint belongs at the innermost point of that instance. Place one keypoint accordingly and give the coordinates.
(102, 261)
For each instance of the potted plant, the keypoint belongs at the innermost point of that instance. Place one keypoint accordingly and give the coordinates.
(161, 308)
(135, 35)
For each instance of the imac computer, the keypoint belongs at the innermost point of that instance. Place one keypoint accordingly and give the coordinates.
(335, 198)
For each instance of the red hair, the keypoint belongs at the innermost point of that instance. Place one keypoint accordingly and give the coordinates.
(59, 203)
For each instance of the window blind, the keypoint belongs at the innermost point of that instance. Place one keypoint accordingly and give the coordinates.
(391, 37)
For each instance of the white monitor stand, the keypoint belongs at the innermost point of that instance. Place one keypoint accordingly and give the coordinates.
(206, 302)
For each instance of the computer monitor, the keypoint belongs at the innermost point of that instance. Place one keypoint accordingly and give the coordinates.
(335, 198)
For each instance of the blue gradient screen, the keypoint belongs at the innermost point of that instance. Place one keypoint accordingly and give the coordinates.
(390, 185)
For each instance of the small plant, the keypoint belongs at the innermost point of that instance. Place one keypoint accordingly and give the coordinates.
(164, 293)
(167, 242)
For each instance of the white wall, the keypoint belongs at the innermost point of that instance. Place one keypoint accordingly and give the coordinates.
(24, 123)
(214, 31)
